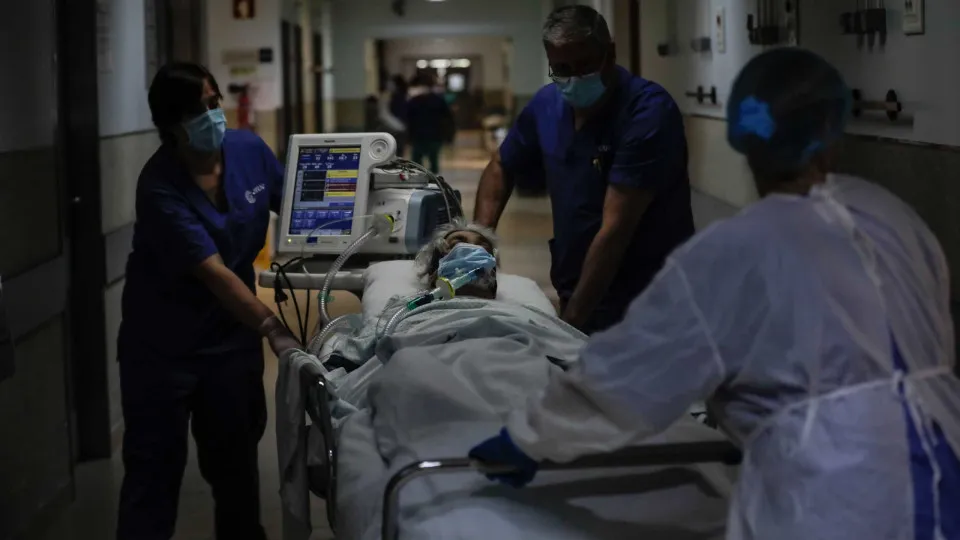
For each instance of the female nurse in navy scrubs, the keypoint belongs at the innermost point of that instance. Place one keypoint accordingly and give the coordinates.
(190, 345)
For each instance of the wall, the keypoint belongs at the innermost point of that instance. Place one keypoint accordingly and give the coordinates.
(123, 76)
(128, 139)
(715, 170)
(354, 27)
(926, 88)
(911, 65)
(226, 33)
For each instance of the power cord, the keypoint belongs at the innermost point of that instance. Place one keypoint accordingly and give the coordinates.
(280, 296)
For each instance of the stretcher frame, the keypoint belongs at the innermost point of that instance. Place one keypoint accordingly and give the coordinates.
(318, 409)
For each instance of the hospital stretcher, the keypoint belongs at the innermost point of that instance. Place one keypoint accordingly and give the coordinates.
(323, 477)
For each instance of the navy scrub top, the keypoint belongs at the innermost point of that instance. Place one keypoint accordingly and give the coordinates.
(638, 140)
(165, 308)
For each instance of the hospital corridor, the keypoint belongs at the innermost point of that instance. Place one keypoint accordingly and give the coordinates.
(524, 232)
(479, 269)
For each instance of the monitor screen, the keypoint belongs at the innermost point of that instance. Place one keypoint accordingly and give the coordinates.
(323, 202)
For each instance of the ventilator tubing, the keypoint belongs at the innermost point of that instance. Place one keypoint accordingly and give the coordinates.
(382, 224)
(446, 290)
(317, 343)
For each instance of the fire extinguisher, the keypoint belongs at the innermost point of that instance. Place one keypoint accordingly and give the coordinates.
(244, 109)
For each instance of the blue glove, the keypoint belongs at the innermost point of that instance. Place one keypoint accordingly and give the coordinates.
(500, 450)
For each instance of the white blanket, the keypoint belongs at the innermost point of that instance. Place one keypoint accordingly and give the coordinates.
(448, 377)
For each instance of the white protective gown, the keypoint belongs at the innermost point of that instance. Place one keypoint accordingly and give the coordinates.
(786, 317)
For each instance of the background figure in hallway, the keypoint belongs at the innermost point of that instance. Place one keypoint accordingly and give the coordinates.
(393, 111)
(429, 120)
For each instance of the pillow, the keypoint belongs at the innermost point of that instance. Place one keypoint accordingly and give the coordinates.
(384, 280)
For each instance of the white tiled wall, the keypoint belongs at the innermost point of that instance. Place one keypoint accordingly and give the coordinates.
(121, 159)
(112, 312)
(715, 169)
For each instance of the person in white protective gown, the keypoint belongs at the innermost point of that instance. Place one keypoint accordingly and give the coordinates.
(815, 324)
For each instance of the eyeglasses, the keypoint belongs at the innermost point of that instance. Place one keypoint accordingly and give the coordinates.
(563, 73)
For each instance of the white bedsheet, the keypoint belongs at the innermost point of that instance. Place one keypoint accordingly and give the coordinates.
(450, 375)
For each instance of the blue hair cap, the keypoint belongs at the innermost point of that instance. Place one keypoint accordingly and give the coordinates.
(753, 118)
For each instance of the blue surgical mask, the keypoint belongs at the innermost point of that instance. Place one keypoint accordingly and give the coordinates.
(464, 258)
(206, 131)
(582, 92)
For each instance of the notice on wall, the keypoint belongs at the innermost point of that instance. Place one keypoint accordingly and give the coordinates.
(104, 41)
(7, 360)
(240, 57)
(239, 72)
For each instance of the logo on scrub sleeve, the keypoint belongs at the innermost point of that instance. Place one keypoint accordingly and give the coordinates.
(251, 195)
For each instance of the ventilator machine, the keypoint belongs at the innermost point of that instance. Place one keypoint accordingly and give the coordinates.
(347, 197)
(336, 185)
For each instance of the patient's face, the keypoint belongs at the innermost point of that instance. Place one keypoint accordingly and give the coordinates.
(485, 287)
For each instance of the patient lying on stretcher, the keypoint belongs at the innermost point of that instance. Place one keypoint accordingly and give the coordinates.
(474, 314)
(449, 374)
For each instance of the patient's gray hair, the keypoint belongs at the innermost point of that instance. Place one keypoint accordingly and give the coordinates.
(576, 24)
(428, 258)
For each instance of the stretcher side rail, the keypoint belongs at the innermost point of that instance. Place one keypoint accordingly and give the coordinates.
(318, 410)
(318, 398)
(640, 456)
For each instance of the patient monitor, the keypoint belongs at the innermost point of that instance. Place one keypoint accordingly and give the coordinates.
(335, 183)
(325, 189)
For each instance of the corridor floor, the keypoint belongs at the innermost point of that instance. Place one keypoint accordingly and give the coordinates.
(524, 231)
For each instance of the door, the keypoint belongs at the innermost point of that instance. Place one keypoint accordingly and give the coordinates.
(287, 115)
(182, 31)
(318, 70)
(464, 102)
(35, 406)
(297, 67)
(291, 52)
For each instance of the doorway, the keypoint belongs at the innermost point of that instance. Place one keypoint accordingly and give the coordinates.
(472, 71)
(318, 71)
(291, 53)
(183, 32)
(456, 77)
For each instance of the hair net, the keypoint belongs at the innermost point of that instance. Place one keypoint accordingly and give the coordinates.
(785, 106)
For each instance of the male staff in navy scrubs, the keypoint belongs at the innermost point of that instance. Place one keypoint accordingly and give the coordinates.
(612, 151)
(190, 345)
